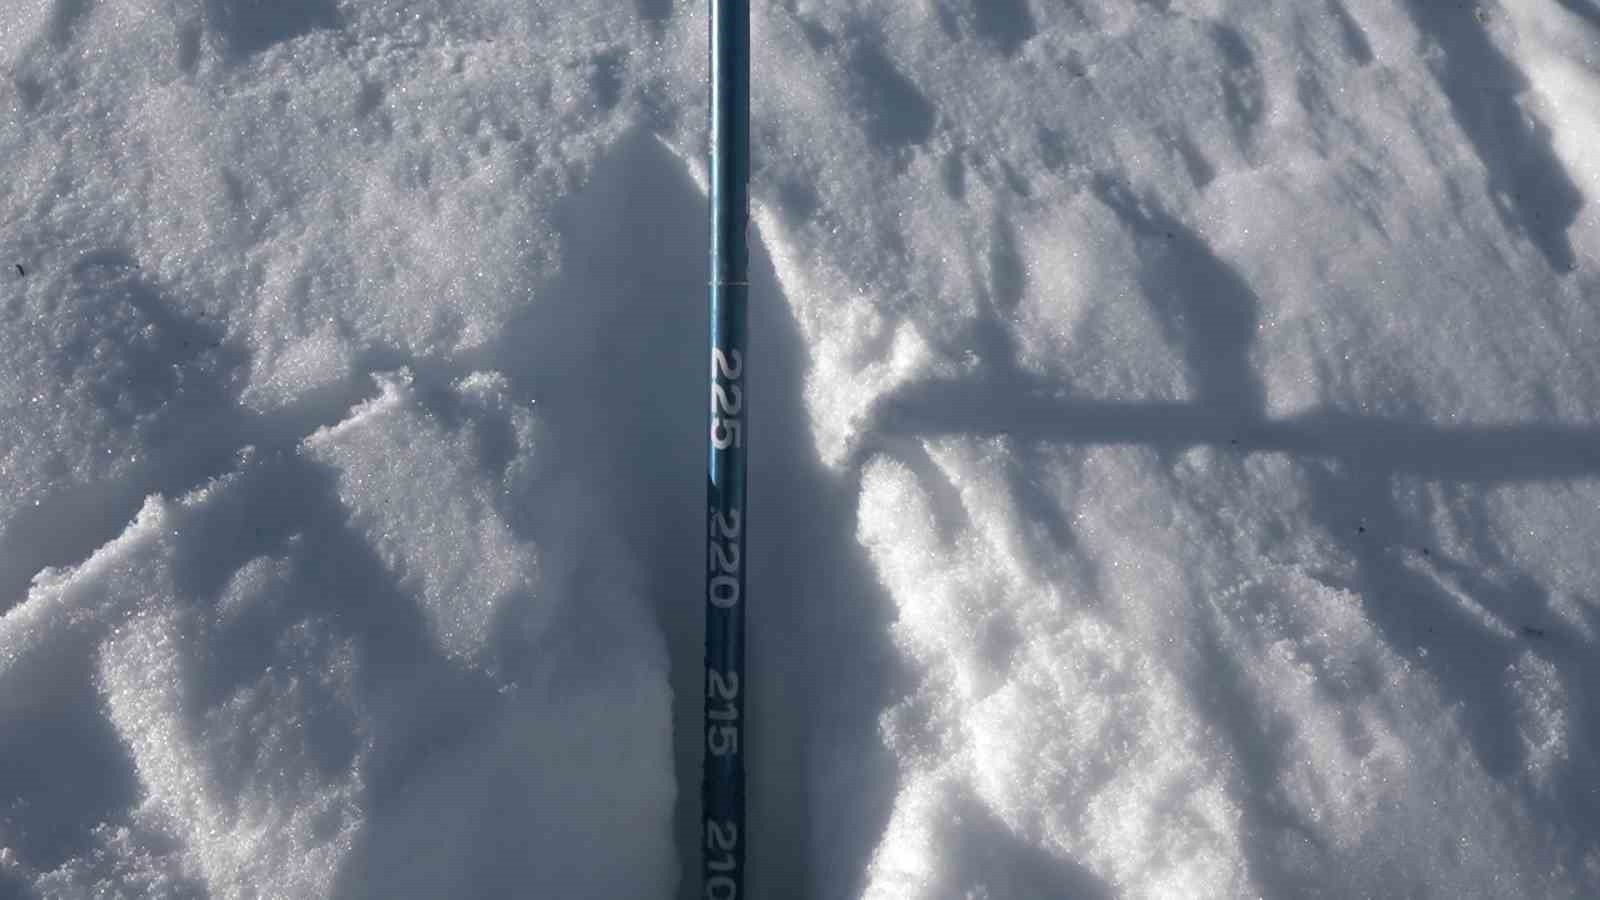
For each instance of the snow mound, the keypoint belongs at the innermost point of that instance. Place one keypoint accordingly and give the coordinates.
(256, 676)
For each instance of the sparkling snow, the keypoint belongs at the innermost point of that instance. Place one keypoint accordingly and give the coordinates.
(1176, 448)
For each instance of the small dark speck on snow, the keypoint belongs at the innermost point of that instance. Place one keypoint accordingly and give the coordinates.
(20, 272)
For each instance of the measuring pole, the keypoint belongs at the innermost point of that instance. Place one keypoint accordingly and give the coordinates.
(723, 836)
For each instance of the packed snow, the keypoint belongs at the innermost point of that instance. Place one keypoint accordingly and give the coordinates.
(1175, 442)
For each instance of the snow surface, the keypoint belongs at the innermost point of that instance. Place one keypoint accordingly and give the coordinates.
(1176, 450)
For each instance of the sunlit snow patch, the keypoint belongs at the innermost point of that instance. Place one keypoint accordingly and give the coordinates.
(1100, 679)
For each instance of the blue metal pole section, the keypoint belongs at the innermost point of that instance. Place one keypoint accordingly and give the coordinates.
(722, 787)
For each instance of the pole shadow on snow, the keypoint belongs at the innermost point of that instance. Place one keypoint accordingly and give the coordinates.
(1035, 410)
(615, 357)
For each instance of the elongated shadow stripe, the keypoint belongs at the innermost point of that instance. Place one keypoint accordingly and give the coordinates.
(1350, 31)
(1244, 90)
(1526, 179)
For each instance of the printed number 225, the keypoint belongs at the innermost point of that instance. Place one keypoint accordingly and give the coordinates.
(727, 401)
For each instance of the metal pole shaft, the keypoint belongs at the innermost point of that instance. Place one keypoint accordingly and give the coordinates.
(723, 837)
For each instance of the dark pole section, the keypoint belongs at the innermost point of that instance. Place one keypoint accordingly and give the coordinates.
(723, 834)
